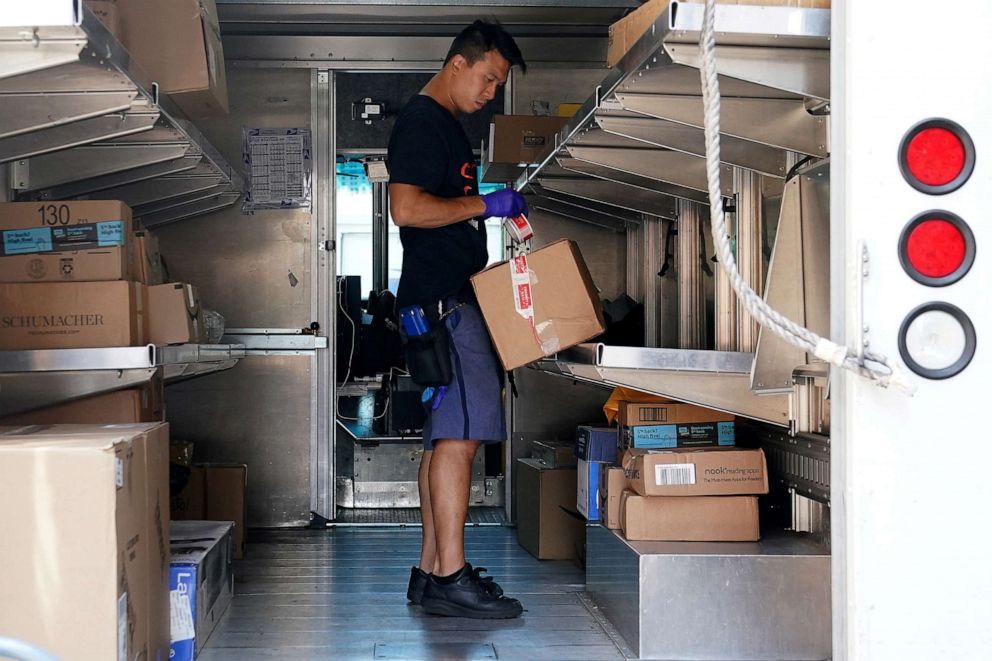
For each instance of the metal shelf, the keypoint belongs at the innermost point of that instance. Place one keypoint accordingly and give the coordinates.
(45, 377)
(715, 379)
(642, 130)
(78, 118)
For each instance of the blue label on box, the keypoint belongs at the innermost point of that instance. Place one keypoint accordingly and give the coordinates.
(110, 233)
(656, 437)
(667, 437)
(182, 579)
(26, 242)
(725, 433)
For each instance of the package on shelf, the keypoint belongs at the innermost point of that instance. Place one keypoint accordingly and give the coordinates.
(689, 518)
(553, 454)
(144, 403)
(174, 315)
(69, 315)
(696, 472)
(594, 443)
(87, 567)
(612, 483)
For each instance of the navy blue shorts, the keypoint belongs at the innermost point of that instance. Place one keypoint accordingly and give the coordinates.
(472, 407)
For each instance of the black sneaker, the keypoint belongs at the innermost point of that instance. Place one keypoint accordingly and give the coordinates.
(418, 580)
(492, 587)
(466, 595)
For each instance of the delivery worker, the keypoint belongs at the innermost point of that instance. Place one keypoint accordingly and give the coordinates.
(433, 193)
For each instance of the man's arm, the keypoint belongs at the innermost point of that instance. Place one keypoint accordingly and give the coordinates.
(412, 206)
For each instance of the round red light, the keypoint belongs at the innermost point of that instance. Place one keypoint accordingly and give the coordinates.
(935, 248)
(935, 156)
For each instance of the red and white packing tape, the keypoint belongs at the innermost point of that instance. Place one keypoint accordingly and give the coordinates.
(519, 228)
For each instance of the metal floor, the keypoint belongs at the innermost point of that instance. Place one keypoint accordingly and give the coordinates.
(341, 594)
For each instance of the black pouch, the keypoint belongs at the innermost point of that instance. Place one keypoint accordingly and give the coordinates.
(427, 357)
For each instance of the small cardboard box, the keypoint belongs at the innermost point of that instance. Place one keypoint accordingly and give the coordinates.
(692, 519)
(625, 32)
(190, 504)
(596, 443)
(587, 500)
(684, 435)
(215, 492)
(523, 139)
(99, 532)
(201, 583)
(539, 304)
(146, 264)
(633, 414)
(691, 472)
(174, 315)
(68, 315)
(553, 454)
(546, 527)
(178, 44)
(612, 483)
(142, 404)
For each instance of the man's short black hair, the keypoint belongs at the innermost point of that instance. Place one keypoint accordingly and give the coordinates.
(481, 37)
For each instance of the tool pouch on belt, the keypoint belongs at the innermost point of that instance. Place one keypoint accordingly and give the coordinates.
(427, 357)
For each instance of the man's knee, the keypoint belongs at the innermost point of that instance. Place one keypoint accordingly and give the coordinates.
(457, 448)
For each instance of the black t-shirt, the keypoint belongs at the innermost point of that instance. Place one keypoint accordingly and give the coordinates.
(429, 149)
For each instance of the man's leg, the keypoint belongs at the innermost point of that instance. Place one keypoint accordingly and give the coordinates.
(428, 545)
(449, 483)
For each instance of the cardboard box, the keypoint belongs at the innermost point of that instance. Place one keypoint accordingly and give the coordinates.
(686, 435)
(632, 414)
(201, 583)
(625, 32)
(23, 215)
(596, 443)
(142, 404)
(523, 139)
(174, 315)
(692, 519)
(86, 545)
(106, 12)
(178, 44)
(215, 492)
(97, 265)
(713, 472)
(551, 283)
(68, 315)
(546, 527)
(612, 483)
(146, 264)
(587, 501)
(554, 454)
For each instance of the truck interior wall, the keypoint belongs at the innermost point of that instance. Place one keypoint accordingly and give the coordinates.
(392, 90)
(255, 270)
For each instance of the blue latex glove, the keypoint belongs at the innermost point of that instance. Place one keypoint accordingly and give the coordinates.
(504, 203)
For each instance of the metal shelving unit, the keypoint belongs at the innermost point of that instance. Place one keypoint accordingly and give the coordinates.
(636, 149)
(38, 378)
(79, 119)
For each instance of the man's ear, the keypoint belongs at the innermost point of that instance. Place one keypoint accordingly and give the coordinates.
(458, 62)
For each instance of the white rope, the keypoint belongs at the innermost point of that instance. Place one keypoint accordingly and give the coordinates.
(796, 335)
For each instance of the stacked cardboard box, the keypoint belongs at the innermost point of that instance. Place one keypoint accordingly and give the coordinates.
(547, 525)
(76, 274)
(674, 481)
(667, 425)
(86, 548)
(685, 494)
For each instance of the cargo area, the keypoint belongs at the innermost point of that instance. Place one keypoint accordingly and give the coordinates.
(211, 425)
